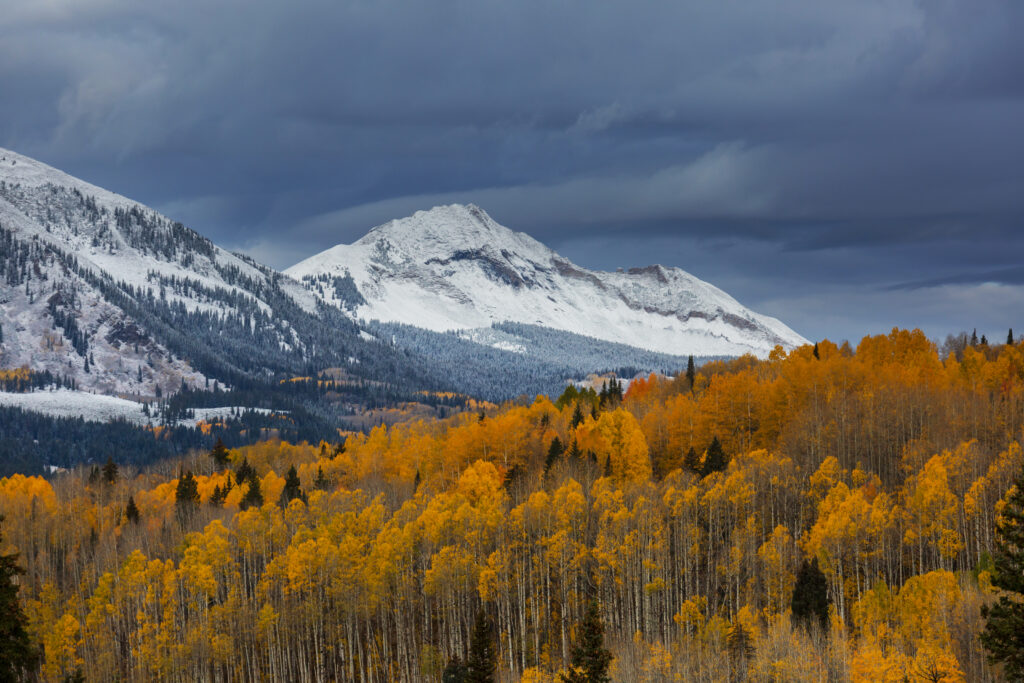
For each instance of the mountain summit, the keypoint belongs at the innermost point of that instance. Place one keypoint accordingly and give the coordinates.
(455, 268)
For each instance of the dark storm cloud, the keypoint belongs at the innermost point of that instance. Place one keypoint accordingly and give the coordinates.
(777, 149)
(1007, 276)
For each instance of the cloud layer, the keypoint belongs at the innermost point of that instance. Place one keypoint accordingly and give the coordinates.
(863, 154)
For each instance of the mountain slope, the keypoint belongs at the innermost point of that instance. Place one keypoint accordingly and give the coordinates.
(455, 268)
(118, 299)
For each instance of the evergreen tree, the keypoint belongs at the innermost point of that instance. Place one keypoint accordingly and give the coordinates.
(574, 452)
(577, 416)
(292, 488)
(810, 597)
(1009, 337)
(217, 497)
(219, 453)
(244, 471)
(254, 496)
(741, 648)
(590, 658)
(482, 659)
(415, 480)
(692, 461)
(131, 511)
(186, 496)
(18, 655)
(714, 460)
(984, 340)
(110, 471)
(554, 453)
(691, 372)
(321, 482)
(455, 672)
(1003, 636)
(816, 354)
(974, 337)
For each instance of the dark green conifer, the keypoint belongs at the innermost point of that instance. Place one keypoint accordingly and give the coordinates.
(590, 659)
(18, 654)
(186, 496)
(691, 372)
(110, 471)
(1009, 337)
(131, 511)
(482, 659)
(244, 471)
(817, 355)
(455, 672)
(292, 488)
(1003, 636)
(219, 453)
(254, 495)
(810, 597)
(577, 416)
(714, 460)
(554, 453)
(574, 452)
(217, 497)
(321, 482)
(692, 461)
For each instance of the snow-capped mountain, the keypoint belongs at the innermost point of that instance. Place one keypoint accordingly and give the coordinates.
(106, 292)
(455, 268)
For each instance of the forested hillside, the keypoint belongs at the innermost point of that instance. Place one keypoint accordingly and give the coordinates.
(824, 514)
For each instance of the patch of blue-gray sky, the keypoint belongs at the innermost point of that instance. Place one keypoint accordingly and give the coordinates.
(846, 167)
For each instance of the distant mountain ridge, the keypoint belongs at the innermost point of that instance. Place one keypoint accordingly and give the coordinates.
(111, 297)
(106, 292)
(455, 268)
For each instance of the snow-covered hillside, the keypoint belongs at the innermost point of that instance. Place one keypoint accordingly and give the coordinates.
(99, 408)
(106, 292)
(455, 268)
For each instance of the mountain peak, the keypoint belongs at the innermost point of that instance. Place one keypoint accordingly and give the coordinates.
(455, 268)
(441, 231)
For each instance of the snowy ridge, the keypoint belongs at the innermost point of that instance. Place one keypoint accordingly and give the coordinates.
(139, 290)
(454, 268)
(100, 408)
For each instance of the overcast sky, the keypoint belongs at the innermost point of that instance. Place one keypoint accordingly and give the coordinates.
(845, 166)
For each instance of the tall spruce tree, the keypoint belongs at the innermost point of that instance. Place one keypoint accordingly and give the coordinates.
(577, 416)
(554, 453)
(1003, 636)
(1009, 337)
(714, 460)
(810, 597)
(186, 496)
(110, 471)
(692, 461)
(254, 495)
(131, 511)
(219, 453)
(482, 659)
(691, 372)
(590, 659)
(455, 672)
(18, 654)
(292, 488)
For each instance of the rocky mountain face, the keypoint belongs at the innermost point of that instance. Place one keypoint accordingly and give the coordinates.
(117, 299)
(455, 268)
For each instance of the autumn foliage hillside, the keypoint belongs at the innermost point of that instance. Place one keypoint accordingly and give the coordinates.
(686, 509)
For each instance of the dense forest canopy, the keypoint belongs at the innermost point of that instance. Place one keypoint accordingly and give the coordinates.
(823, 514)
